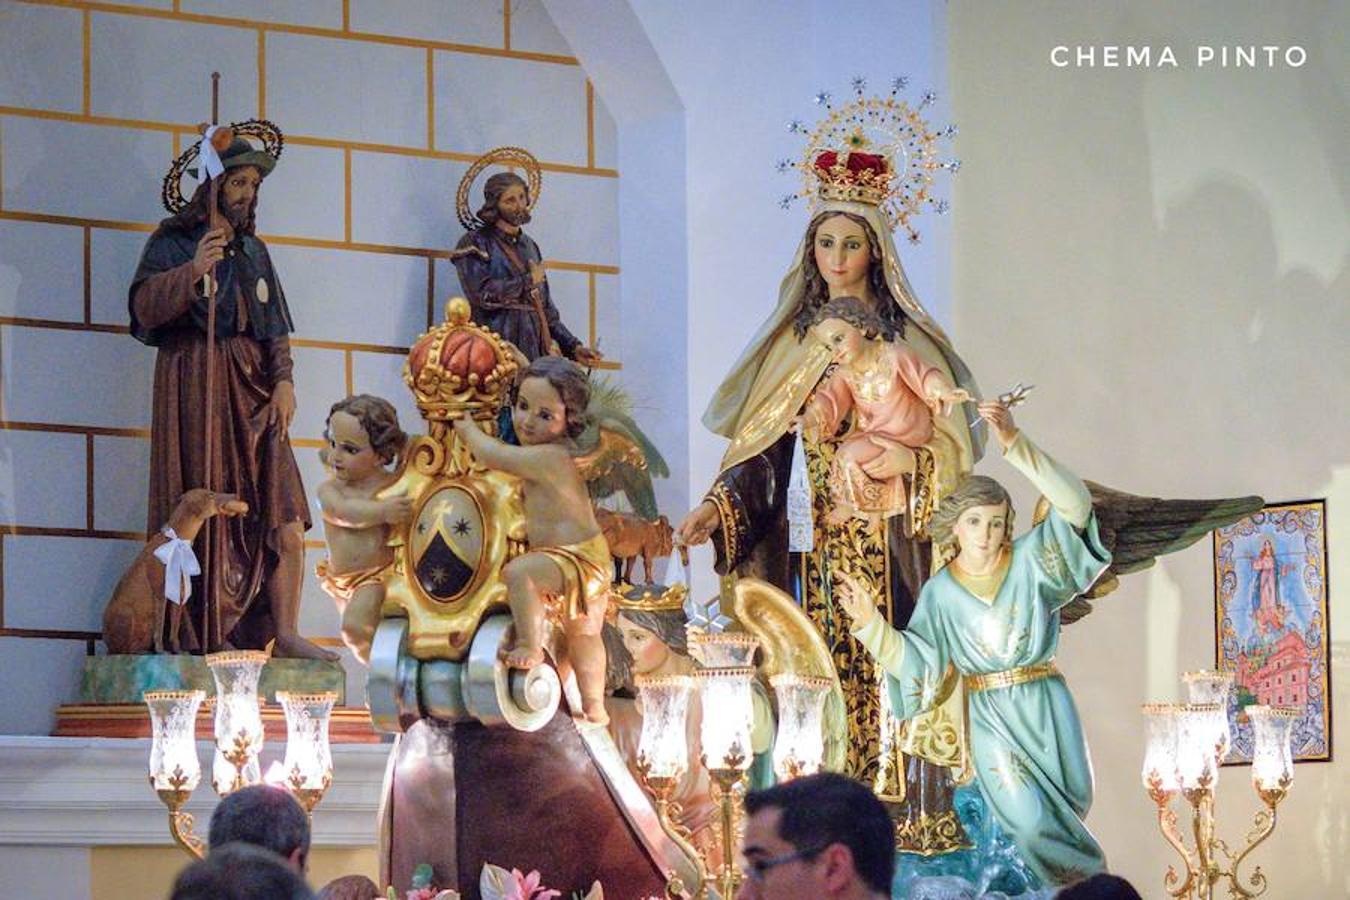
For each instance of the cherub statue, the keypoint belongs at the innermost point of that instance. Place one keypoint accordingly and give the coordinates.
(568, 559)
(894, 395)
(364, 438)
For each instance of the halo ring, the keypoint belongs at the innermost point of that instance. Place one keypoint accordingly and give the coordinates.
(508, 156)
(171, 195)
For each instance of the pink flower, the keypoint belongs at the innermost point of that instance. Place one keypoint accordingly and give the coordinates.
(528, 887)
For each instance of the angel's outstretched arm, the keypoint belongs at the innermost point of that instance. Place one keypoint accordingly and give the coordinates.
(530, 463)
(1065, 490)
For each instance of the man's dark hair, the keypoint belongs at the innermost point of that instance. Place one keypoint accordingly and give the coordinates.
(1100, 887)
(824, 809)
(493, 189)
(264, 816)
(240, 872)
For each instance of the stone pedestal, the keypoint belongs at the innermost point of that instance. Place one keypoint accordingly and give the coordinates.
(111, 688)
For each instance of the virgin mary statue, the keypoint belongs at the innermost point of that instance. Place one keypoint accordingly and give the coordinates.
(847, 250)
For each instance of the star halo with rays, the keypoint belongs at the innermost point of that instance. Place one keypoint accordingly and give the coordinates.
(885, 125)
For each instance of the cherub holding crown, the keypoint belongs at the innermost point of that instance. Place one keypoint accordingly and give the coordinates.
(567, 568)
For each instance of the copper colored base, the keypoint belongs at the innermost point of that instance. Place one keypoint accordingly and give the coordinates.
(348, 725)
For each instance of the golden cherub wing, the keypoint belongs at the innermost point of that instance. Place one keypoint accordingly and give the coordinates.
(611, 449)
(791, 643)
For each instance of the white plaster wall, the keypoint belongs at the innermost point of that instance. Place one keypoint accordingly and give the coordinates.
(1163, 253)
(384, 106)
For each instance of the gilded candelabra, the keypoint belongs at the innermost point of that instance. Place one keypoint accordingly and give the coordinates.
(175, 771)
(724, 681)
(1186, 745)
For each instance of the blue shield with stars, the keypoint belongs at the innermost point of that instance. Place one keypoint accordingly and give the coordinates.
(447, 543)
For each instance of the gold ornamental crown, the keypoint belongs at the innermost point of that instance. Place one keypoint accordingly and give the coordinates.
(458, 367)
(853, 175)
(876, 150)
(662, 599)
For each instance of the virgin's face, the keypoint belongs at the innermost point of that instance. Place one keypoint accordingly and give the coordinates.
(648, 651)
(843, 255)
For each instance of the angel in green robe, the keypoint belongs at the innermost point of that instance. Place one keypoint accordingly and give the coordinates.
(993, 613)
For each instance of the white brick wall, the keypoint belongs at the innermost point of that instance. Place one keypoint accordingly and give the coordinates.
(94, 104)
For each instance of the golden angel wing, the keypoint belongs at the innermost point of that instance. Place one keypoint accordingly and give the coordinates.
(611, 449)
(790, 643)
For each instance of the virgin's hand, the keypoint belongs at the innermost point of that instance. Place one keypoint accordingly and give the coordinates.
(281, 408)
(893, 461)
(1000, 422)
(210, 250)
(857, 602)
(699, 525)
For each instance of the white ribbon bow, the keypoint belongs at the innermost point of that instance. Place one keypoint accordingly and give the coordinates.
(180, 564)
(208, 159)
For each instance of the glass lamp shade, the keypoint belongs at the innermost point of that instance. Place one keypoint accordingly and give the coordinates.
(1160, 756)
(1197, 761)
(663, 745)
(1213, 688)
(309, 762)
(800, 743)
(728, 711)
(1272, 758)
(723, 649)
(239, 727)
(173, 746)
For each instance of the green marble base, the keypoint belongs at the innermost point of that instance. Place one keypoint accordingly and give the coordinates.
(123, 679)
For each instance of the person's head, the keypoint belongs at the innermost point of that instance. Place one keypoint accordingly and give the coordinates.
(240, 871)
(548, 403)
(264, 816)
(350, 887)
(841, 257)
(1099, 887)
(363, 436)
(506, 197)
(651, 637)
(238, 198)
(844, 325)
(977, 516)
(822, 835)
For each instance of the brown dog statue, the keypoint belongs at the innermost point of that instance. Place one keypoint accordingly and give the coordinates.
(134, 620)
